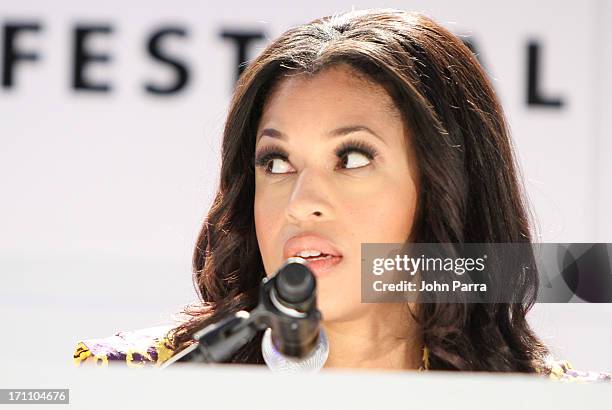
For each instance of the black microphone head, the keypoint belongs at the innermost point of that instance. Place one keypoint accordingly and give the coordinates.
(295, 282)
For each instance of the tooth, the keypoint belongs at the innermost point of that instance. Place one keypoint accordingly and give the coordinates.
(321, 258)
(308, 253)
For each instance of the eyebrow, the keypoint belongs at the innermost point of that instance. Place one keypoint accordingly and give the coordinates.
(338, 132)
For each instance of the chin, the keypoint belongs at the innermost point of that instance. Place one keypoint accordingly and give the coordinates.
(337, 306)
(338, 310)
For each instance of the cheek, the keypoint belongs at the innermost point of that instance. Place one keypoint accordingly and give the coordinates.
(268, 217)
(385, 214)
(268, 209)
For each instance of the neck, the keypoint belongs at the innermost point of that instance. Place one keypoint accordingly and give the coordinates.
(384, 338)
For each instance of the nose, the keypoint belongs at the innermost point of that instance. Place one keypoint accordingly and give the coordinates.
(310, 199)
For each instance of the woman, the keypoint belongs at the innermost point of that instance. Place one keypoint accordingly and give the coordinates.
(370, 126)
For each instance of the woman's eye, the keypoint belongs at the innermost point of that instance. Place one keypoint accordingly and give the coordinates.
(351, 155)
(273, 160)
(355, 159)
(356, 154)
(277, 166)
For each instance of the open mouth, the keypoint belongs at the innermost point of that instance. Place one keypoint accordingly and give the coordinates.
(321, 262)
(319, 253)
(319, 258)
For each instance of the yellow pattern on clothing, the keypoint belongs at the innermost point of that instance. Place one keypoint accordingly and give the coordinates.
(81, 353)
(139, 348)
(152, 347)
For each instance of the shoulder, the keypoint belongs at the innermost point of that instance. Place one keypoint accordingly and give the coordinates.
(136, 348)
(563, 370)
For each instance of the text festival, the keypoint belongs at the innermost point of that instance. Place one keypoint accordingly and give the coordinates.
(16, 57)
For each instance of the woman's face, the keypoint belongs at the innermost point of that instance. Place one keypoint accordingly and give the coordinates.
(334, 170)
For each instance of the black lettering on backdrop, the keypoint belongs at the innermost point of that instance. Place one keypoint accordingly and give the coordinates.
(534, 94)
(82, 58)
(182, 73)
(11, 55)
(242, 40)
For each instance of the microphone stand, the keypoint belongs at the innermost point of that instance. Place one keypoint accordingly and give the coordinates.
(219, 341)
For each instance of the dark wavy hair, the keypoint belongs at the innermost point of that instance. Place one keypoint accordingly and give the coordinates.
(469, 189)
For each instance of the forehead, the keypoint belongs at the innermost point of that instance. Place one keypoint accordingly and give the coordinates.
(336, 94)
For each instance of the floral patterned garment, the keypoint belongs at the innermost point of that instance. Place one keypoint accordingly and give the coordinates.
(136, 348)
(151, 347)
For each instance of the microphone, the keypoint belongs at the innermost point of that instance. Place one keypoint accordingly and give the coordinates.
(294, 342)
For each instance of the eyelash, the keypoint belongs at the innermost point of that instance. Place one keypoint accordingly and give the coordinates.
(271, 152)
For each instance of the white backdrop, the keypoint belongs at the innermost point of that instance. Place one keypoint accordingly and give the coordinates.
(102, 194)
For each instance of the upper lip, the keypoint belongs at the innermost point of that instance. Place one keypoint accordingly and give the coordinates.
(309, 240)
